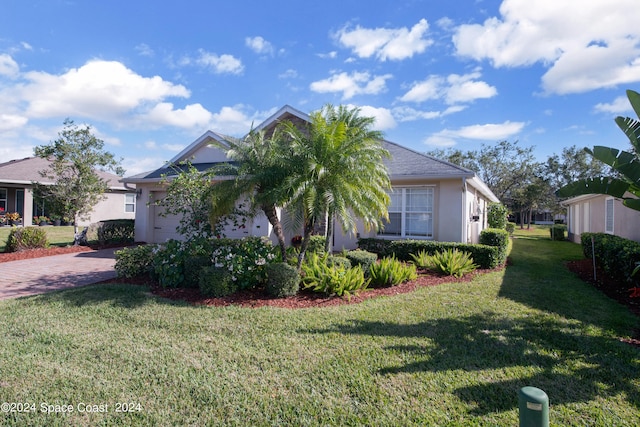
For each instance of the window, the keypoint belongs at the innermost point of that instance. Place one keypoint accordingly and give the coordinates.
(608, 215)
(410, 213)
(3, 200)
(130, 202)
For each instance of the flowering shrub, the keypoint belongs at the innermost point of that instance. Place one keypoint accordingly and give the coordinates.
(245, 259)
(134, 261)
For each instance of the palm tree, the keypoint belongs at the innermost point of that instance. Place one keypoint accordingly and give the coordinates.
(627, 164)
(339, 173)
(261, 170)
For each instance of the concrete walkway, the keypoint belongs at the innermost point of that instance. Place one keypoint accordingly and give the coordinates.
(39, 275)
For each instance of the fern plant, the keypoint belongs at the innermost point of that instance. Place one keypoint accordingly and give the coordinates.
(451, 262)
(320, 276)
(391, 272)
(422, 259)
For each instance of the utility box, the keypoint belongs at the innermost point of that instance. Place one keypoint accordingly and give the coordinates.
(534, 407)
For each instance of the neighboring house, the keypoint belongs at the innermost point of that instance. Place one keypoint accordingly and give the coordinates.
(16, 195)
(598, 213)
(431, 198)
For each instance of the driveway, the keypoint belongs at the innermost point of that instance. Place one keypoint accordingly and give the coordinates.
(39, 275)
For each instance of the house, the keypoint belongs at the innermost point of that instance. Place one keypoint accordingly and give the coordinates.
(16, 193)
(599, 213)
(431, 198)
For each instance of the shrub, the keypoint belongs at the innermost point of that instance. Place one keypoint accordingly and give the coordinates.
(497, 238)
(282, 279)
(319, 276)
(617, 256)
(192, 267)
(24, 238)
(422, 259)
(362, 258)
(244, 258)
(557, 232)
(511, 227)
(497, 215)
(485, 256)
(168, 263)
(216, 282)
(316, 244)
(391, 272)
(134, 261)
(451, 262)
(338, 261)
(116, 231)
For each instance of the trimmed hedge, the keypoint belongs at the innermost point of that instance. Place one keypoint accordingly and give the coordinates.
(496, 237)
(617, 256)
(282, 280)
(557, 231)
(362, 258)
(116, 231)
(483, 255)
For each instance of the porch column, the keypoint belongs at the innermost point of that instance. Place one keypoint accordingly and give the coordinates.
(28, 207)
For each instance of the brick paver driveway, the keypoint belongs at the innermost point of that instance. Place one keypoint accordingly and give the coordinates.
(39, 275)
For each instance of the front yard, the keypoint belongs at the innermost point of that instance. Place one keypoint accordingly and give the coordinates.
(453, 354)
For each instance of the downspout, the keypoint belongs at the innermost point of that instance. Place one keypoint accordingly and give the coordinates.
(464, 210)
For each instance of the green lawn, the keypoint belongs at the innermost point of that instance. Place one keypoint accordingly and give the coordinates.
(59, 236)
(454, 354)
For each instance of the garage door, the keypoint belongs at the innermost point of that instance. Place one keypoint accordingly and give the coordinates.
(164, 228)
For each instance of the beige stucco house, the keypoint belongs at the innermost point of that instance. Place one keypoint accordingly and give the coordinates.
(16, 193)
(598, 213)
(431, 198)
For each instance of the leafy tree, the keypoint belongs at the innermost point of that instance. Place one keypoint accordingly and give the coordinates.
(339, 172)
(262, 166)
(497, 215)
(188, 192)
(626, 164)
(75, 158)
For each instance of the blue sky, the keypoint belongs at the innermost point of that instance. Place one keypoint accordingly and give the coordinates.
(151, 77)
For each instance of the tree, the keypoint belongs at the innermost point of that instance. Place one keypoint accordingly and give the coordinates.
(626, 164)
(339, 173)
(75, 157)
(262, 165)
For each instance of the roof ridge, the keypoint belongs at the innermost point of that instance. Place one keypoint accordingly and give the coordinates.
(436, 159)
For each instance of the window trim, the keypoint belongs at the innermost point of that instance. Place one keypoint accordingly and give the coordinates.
(403, 214)
(609, 202)
(5, 199)
(132, 204)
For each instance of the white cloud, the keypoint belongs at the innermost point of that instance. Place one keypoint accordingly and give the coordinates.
(164, 113)
(289, 74)
(8, 67)
(453, 89)
(386, 43)
(99, 89)
(10, 122)
(618, 106)
(237, 120)
(585, 45)
(259, 45)
(486, 132)
(220, 64)
(331, 55)
(408, 114)
(384, 117)
(356, 83)
(144, 50)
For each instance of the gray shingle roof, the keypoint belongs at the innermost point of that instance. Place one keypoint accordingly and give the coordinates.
(407, 163)
(25, 171)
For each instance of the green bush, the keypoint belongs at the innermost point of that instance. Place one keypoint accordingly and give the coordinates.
(282, 280)
(391, 272)
(497, 238)
(116, 231)
(485, 256)
(316, 244)
(557, 231)
(216, 282)
(616, 255)
(134, 261)
(192, 267)
(422, 259)
(168, 263)
(319, 276)
(338, 261)
(25, 238)
(511, 227)
(451, 262)
(362, 258)
(244, 258)
(497, 215)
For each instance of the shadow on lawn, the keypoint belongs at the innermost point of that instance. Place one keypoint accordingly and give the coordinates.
(570, 366)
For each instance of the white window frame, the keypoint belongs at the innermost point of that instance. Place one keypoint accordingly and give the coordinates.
(127, 203)
(609, 215)
(404, 213)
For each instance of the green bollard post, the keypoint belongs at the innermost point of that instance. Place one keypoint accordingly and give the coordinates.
(534, 407)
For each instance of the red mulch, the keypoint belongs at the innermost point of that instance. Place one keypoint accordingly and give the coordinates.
(37, 253)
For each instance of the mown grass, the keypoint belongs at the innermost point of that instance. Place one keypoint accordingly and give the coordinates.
(454, 354)
(58, 236)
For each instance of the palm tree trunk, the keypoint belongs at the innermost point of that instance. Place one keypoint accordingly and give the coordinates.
(272, 215)
(308, 229)
(329, 230)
